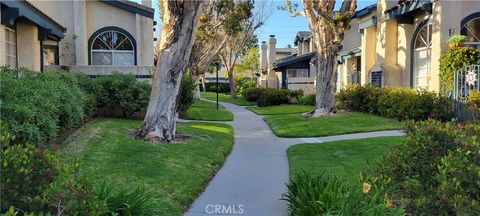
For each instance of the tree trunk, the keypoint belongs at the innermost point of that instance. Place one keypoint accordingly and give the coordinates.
(178, 33)
(233, 86)
(196, 90)
(326, 81)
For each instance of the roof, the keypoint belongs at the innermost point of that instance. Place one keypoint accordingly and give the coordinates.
(22, 8)
(132, 7)
(365, 11)
(405, 7)
(302, 36)
(293, 59)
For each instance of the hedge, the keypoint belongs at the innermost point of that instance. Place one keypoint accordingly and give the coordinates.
(398, 103)
(452, 60)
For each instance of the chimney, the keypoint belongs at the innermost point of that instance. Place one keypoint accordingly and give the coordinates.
(272, 51)
(263, 56)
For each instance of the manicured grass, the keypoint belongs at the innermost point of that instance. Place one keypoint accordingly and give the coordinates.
(226, 98)
(293, 125)
(281, 109)
(174, 173)
(344, 158)
(206, 110)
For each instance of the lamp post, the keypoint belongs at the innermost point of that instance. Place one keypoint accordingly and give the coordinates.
(217, 63)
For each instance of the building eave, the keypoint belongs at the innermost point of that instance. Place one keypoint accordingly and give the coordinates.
(293, 59)
(404, 11)
(132, 7)
(48, 27)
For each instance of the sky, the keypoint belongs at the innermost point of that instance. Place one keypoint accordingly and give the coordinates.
(280, 23)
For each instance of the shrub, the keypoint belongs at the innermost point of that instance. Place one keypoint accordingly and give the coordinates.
(452, 60)
(398, 103)
(244, 83)
(359, 98)
(294, 95)
(457, 39)
(308, 100)
(252, 94)
(270, 97)
(435, 171)
(27, 172)
(185, 94)
(329, 195)
(36, 107)
(474, 101)
(212, 87)
(119, 92)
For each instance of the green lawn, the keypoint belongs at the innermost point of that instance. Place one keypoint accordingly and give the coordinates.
(206, 110)
(281, 109)
(342, 158)
(175, 173)
(226, 98)
(293, 125)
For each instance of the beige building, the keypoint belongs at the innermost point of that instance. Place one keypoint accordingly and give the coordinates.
(293, 69)
(399, 43)
(94, 37)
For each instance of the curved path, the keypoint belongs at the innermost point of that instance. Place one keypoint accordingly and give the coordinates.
(252, 180)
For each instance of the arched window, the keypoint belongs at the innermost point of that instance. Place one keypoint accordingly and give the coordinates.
(470, 27)
(112, 46)
(421, 61)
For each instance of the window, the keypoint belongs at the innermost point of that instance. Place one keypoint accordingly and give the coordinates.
(422, 57)
(297, 73)
(50, 55)
(376, 78)
(10, 47)
(112, 47)
(472, 30)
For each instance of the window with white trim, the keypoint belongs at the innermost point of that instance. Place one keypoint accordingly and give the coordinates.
(10, 47)
(112, 48)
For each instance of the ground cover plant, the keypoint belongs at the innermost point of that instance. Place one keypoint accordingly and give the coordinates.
(207, 110)
(171, 175)
(294, 125)
(281, 109)
(240, 100)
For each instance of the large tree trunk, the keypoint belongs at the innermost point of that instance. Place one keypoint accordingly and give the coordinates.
(196, 90)
(178, 33)
(326, 81)
(232, 84)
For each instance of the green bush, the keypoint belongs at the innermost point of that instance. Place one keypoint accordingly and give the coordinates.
(252, 94)
(185, 94)
(457, 39)
(36, 107)
(359, 98)
(119, 92)
(329, 195)
(436, 171)
(270, 97)
(27, 172)
(244, 83)
(406, 103)
(452, 60)
(212, 87)
(398, 103)
(308, 100)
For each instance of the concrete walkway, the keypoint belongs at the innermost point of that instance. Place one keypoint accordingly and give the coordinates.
(252, 180)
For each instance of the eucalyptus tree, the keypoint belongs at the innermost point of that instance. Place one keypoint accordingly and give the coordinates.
(239, 37)
(328, 29)
(179, 20)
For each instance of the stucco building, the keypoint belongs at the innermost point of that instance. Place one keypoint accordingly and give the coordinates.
(399, 43)
(94, 37)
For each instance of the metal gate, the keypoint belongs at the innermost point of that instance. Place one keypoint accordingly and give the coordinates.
(464, 81)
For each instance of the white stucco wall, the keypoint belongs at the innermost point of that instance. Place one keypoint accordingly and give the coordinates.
(28, 46)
